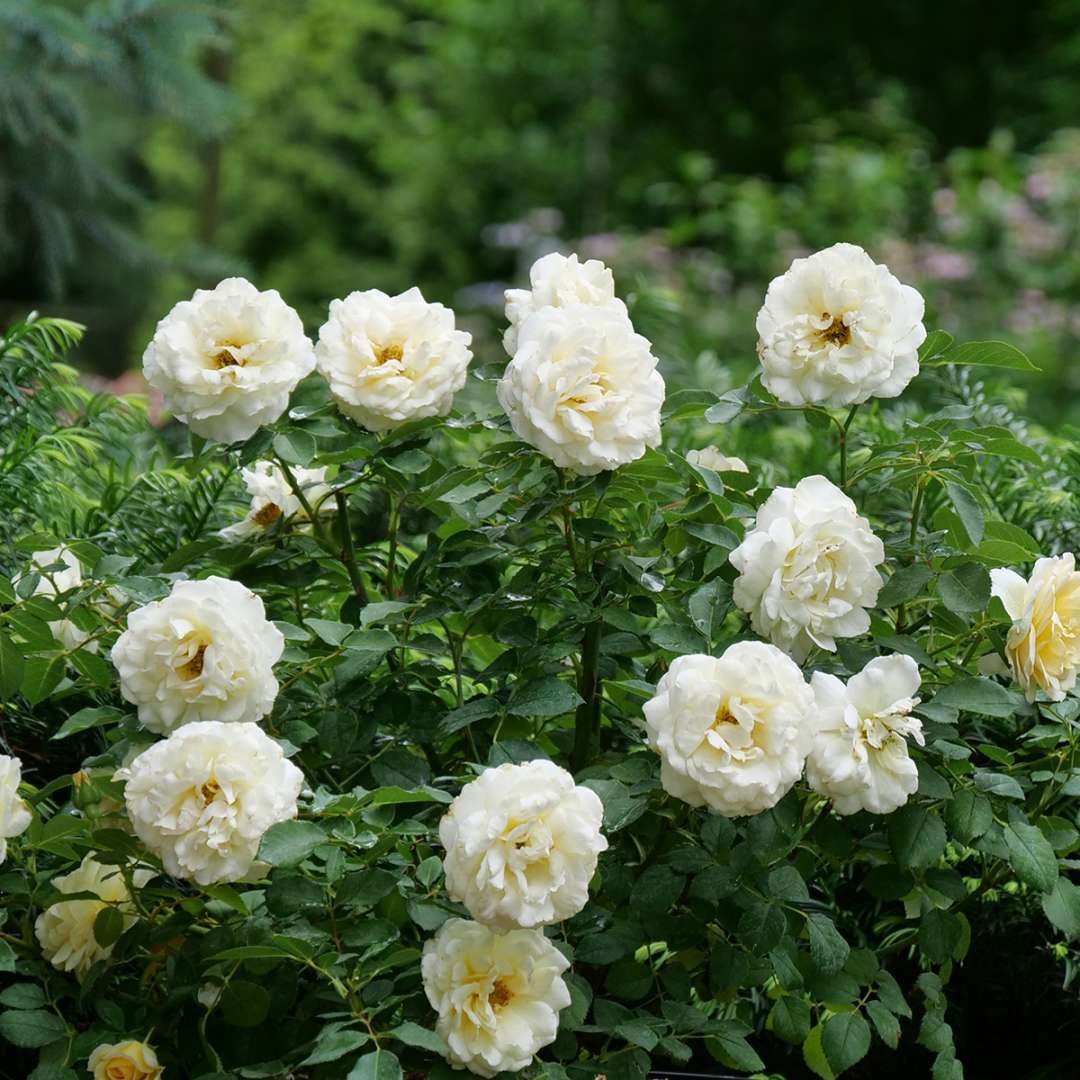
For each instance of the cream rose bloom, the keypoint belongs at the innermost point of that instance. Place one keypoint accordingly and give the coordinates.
(732, 730)
(807, 569)
(1043, 644)
(56, 583)
(521, 845)
(227, 360)
(129, 1060)
(559, 281)
(390, 359)
(859, 756)
(836, 329)
(205, 652)
(202, 798)
(65, 930)
(272, 499)
(709, 457)
(14, 813)
(583, 388)
(498, 996)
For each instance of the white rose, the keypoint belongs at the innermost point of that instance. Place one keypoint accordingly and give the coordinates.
(559, 281)
(807, 569)
(498, 996)
(732, 730)
(709, 457)
(836, 329)
(521, 845)
(56, 583)
(859, 756)
(14, 813)
(390, 359)
(227, 360)
(583, 388)
(205, 652)
(1043, 644)
(128, 1060)
(202, 798)
(272, 498)
(65, 930)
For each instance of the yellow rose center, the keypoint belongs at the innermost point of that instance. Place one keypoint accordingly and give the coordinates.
(122, 1069)
(500, 994)
(388, 352)
(723, 716)
(225, 357)
(267, 514)
(837, 332)
(209, 791)
(192, 669)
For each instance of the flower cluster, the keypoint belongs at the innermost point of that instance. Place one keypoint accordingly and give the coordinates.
(581, 385)
(734, 732)
(521, 844)
(227, 360)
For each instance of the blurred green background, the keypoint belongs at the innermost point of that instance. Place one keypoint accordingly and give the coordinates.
(149, 147)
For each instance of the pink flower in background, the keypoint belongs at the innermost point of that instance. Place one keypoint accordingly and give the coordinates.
(945, 264)
(1039, 185)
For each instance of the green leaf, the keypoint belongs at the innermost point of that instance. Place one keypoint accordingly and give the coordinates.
(333, 633)
(968, 509)
(295, 447)
(904, 585)
(934, 345)
(790, 1019)
(7, 957)
(916, 836)
(733, 1049)
(728, 406)
(761, 926)
(244, 1004)
(814, 1055)
(996, 354)
(414, 1035)
(85, 719)
(939, 934)
(378, 1065)
(885, 1024)
(108, 926)
(288, 843)
(334, 1042)
(966, 589)
(23, 996)
(828, 949)
(1031, 856)
(41, 676)
(981, 695)
(11, 667)
(845, 1040)
(381, 611)
(995, 783)
(31, 1028)
(549, 696)
(968, 815)
(1062, 907)
(637, 1033)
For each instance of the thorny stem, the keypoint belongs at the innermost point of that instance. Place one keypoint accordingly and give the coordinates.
(392, 543)
(843, 446)
(348, 556)
(587, 717)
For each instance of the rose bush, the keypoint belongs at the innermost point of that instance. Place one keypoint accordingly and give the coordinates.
(578, 732)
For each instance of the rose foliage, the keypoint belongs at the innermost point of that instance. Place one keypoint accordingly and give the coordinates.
(533, 733)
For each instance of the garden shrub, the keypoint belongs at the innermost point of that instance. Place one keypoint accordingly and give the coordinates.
(245, 682)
